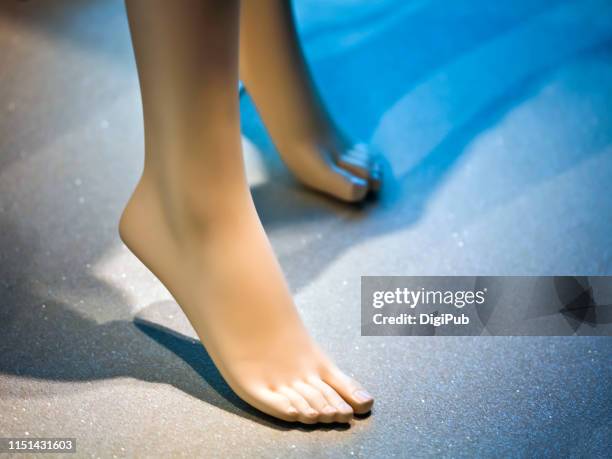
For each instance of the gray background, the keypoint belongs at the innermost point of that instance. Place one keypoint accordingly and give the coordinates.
(495, 118)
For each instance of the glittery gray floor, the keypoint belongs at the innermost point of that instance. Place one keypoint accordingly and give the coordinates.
(495, 119)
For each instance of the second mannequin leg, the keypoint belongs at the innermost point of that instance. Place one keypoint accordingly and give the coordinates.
(275, 73)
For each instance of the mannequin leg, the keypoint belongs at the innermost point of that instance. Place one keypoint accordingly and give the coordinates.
(275, 74)
(192, 222)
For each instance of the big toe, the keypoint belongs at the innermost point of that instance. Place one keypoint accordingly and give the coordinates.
(344, 185)
(351, 391)
(361, 162)
(329, 178)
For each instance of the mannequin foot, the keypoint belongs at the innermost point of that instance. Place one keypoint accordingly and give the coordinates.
(344, 171)
(219, 266)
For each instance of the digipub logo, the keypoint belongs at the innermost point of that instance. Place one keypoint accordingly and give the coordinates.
(487, 305)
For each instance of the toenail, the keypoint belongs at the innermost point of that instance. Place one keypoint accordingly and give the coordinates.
(329, 410)
(362, 396)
